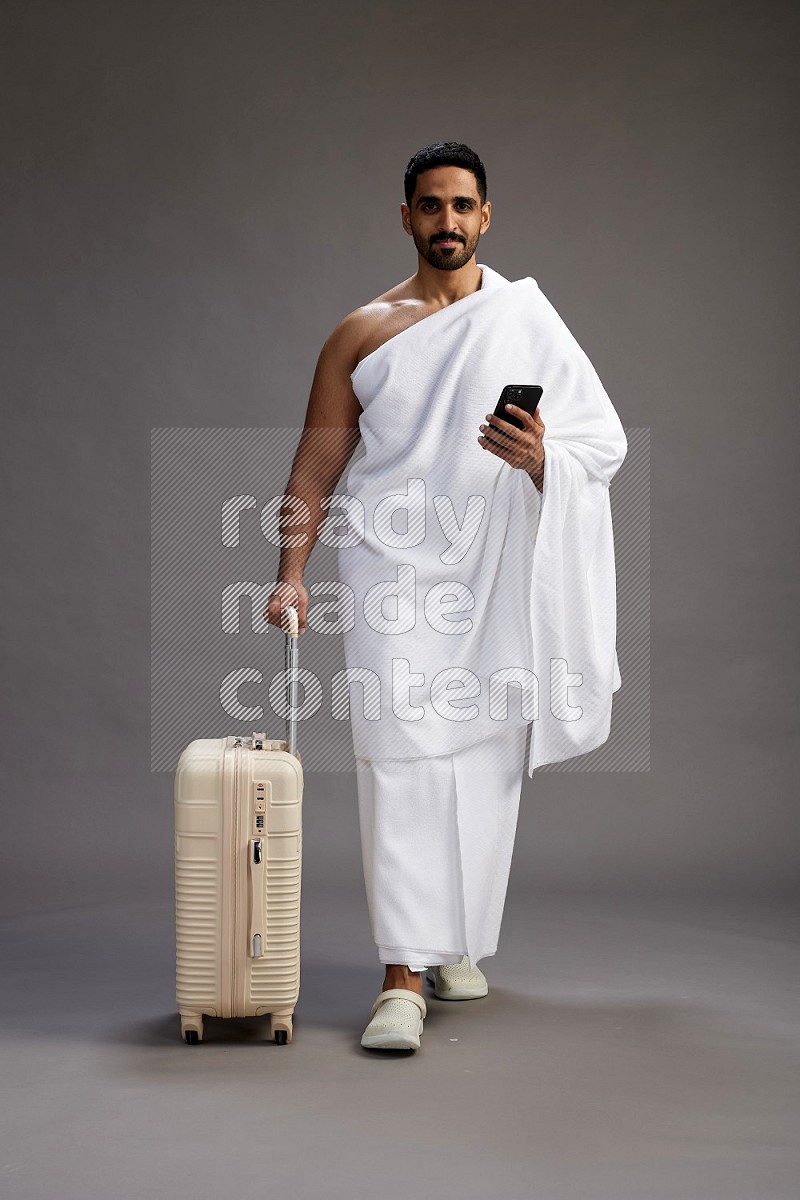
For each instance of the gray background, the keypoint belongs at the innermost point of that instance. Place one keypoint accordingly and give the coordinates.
(193, 196)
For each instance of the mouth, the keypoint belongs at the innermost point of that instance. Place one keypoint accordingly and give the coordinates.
(447, 242)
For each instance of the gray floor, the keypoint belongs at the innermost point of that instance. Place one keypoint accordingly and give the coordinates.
(629, 1050)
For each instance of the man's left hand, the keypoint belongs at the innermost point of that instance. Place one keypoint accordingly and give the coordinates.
(521, 448)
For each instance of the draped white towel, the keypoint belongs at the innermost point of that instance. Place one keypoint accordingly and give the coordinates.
(531, 588)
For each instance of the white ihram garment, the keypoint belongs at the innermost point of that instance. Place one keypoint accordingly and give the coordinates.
(531, 586)
(528, 584)
(437, 836)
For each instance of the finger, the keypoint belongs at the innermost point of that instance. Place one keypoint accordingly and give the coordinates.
(490, 442)
(489, 445)
(516, 455)
(523, 414)
(501, 428)
(520, 443)
(283, 595)
(525, 438)
(272, 612)
(300, 605)
(495, 448)
(302, 610)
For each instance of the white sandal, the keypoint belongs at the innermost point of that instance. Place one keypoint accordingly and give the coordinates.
(396, 1021)
(458, 981)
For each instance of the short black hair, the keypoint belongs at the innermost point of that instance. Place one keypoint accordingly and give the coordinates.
(444, 154)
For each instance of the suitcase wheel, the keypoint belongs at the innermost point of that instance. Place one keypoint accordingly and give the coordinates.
(280, 1027)
(192, 1028)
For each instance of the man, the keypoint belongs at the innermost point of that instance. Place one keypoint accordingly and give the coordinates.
(503, 576)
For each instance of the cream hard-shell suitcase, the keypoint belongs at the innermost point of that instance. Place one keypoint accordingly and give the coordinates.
(238, 852)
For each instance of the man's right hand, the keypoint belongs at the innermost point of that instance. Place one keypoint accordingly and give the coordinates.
(287, 592)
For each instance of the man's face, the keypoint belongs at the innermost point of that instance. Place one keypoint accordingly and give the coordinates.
(445, 217)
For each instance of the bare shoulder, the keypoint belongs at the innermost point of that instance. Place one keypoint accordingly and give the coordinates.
(368, 327)
(333, 402)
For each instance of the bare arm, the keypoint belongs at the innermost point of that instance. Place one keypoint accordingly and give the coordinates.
(330, 435)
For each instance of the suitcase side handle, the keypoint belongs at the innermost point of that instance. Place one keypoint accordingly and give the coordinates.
(290, 668)
(258, 898)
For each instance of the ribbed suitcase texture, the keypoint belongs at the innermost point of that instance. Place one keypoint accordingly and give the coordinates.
(238, 856)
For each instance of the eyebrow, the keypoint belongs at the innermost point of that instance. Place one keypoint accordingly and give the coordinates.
(424, 199)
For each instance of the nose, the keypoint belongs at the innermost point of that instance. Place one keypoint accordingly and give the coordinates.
(448, 228)
(448, 222)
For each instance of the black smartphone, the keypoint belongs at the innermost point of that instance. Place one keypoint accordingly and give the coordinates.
(524, 395)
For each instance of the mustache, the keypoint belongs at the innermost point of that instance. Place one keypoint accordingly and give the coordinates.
(448, 239)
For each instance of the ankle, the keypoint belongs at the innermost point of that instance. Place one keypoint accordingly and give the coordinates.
(399, 976)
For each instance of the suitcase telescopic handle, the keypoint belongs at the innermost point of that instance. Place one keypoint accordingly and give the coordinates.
(290, 666)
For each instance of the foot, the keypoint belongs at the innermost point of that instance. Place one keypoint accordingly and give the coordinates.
(458, 982)
(395, 1021)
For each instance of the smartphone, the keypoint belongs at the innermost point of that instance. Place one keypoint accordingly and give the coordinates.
(524, 395)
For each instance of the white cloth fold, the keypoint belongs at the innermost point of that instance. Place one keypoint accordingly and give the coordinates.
(526, 587)
(437, 837)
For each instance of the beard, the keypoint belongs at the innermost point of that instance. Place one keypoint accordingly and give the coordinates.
(446, 258)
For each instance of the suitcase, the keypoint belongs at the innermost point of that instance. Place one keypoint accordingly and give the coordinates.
(238, 852)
